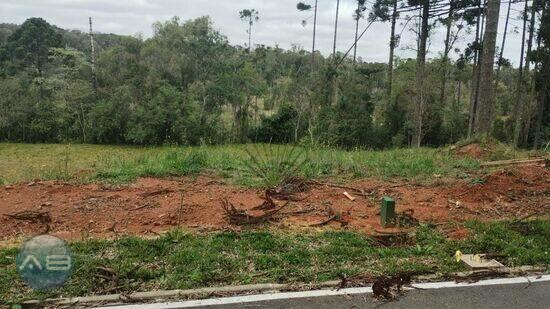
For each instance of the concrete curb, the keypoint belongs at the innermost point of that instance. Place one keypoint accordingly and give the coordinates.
(243, 289)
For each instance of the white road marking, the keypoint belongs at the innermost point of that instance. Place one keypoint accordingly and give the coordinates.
(320, 293)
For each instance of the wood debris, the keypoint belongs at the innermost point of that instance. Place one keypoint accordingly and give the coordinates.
(241, 217)
(286, 191)
(268, 203)
(357, 191)
(479, 261)
(334, 216)
(146, 205)
(351, 198)
(106, 273)
(389, 288)
(155, 193)
(288, 188)
(394, 239)
(545, 210)
(355, 281)
(480, 275)
(514, 162)
(384, 287)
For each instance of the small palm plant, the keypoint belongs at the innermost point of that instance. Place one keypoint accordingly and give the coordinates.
(274, 164)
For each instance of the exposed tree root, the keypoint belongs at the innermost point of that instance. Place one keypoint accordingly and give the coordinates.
(268, 203)
(288, 188)
(241, 217)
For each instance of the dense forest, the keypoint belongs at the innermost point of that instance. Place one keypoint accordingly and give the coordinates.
(187, 85)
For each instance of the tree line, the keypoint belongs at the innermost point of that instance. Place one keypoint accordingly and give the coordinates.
(187, 85)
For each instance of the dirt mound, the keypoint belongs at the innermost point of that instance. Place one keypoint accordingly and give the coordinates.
(474, 151)
(151, 206)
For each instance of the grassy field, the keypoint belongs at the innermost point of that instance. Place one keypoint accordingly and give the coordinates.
(24, 162)
(180, 260)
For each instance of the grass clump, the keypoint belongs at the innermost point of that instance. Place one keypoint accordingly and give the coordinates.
(172, 163)
(525, 243)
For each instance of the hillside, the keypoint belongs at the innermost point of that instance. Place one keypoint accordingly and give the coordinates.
(72, 38)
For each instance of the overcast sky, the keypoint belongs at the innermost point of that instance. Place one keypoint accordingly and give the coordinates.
(280, 22)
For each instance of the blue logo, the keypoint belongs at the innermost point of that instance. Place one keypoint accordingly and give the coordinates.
(44, 262)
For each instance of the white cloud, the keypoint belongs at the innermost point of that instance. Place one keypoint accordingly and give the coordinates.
(280, 22)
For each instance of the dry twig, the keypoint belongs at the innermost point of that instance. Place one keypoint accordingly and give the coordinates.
(155, 193)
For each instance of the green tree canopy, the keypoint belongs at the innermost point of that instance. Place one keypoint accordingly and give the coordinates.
(29, 45)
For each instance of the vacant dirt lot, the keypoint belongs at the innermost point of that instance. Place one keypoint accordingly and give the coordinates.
(150, 206)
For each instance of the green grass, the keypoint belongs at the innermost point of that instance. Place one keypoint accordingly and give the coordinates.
(24, 162)
(180, 260)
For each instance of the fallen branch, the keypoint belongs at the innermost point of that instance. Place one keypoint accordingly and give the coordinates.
(299, 212)
(241, 217)
(145, 205)
(335, 218)
(155, 193)
(355, 281)
(268, 203)
(288, 188)
(33, 216)
(180, 208)
(544, 210)
(513, 162)
(357, 190)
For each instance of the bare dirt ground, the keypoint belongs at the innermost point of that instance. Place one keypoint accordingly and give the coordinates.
(152, 206)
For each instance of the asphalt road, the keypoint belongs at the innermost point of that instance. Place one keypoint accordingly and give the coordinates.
(536, 295)
(500, 293)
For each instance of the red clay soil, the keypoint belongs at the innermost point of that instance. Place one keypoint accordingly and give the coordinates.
(152, 206)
